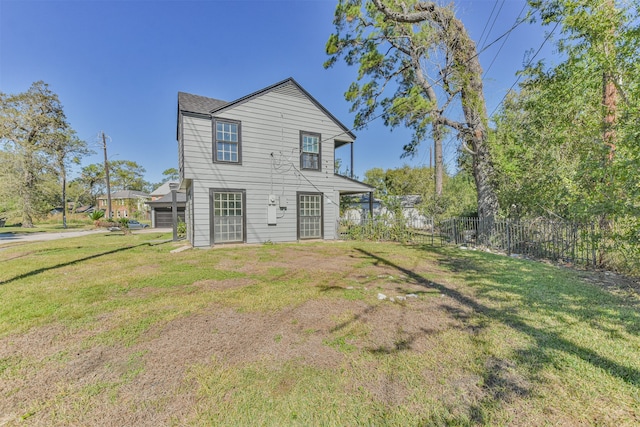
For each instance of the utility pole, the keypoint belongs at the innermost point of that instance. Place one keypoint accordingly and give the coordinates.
(106, 173)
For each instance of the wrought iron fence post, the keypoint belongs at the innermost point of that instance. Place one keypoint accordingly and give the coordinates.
(455, 233)
(508, 224)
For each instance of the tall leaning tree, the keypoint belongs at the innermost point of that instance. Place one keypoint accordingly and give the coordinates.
(416, 60)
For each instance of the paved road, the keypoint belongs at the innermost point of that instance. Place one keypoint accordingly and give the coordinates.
(34, 237)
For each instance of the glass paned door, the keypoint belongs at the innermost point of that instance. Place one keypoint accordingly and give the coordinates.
(228, 217)
(310, 216)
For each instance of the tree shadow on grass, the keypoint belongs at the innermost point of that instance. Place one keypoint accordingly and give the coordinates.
(75, 261)
(548, 287)
(544, 339)
(353, 319)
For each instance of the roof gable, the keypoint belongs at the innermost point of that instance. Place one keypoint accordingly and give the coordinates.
(163, 189)
(291, 85)
(211, 106)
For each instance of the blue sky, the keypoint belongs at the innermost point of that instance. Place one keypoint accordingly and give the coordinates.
(118, 65)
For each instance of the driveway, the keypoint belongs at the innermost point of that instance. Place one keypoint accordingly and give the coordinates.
(35, 237)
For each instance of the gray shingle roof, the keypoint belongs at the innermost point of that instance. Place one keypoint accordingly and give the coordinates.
(162, 189)
(197, 103)
(126, 194)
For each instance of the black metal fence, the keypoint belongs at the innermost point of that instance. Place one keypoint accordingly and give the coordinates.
(539, 238)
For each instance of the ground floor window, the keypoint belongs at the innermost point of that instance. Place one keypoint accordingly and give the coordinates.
(228, 222)
(310, 216)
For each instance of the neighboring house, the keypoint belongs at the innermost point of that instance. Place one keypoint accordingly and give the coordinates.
(261, 168)
(84, 209)
(161, 203)
(126, 204)
(360, 208)
(162, 190)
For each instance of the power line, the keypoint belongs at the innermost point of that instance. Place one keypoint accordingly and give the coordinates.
(439, 80)
(504, 35)
(528, 63)
(502, 45)
(487, 23)
(495, 18)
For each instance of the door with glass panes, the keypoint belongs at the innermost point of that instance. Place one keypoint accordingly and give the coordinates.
(310, 224)
(227, 216)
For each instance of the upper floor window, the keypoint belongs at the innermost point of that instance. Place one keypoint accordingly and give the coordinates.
(310, 150)
(226, 141)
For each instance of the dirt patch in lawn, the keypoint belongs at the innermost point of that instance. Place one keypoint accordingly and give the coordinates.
(212, 285)
(57, 377)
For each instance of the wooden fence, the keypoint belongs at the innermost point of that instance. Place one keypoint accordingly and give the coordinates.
(539, 238)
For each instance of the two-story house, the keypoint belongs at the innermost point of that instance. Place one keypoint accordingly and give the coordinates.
(126, 204)
(261, 168)
(161, 205)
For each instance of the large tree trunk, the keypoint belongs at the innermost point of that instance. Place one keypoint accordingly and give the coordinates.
(64, 196)
(483, 175)
(27, 190)
(474, 133)
(467, 72)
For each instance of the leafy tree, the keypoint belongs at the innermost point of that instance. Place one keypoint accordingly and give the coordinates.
(66, 149)
(124, 175)
(127, 175)
(376, 177)
(567, 144)
(392, 44)
(407, 180)
(559, 139)
(33, 130)
(456, 199)
(170, 174)
(9, 200)
(78, 195)
(541, 152)
(92, 180)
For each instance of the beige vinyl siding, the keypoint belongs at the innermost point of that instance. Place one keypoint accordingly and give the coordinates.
(270, 123)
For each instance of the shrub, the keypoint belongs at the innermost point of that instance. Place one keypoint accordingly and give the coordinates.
(96, 215)
(182, 228)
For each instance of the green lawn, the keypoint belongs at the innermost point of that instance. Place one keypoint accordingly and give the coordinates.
(117, 330)
(52, 224)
